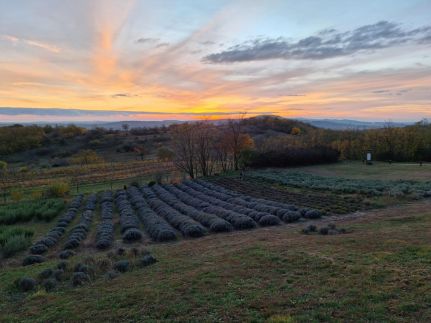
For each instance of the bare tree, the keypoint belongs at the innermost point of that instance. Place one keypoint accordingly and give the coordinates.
(221, 150)
(389, 137)
(204, 147)
(4, 176)
(234, 128)
(184, 137)
(125, 127)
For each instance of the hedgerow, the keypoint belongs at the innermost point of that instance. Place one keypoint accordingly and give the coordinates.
(156, 227)
(187, 226)
(203, 203)
(286, 212)
(105, 229)
(212, 222)
(54, 235)
(80, 231)
(128, 219)
(263, 218)
(33, 259)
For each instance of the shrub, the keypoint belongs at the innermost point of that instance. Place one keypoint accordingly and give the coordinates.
(146, 261)
(80, 278)
(111, 275)
(83, 268)
(156, 227)
(27, 284)
(187, 226)
(60, 189)
(105, 230)
(38, 249)
(267, 220)
(324, 231)
(132, 235)
(66, 254)
(33, 259)
(62, 265)
(49, 284)
(211, 221)
(312, 214)
(122, 266)
(312, 228)
(58, 274)
(46, 273)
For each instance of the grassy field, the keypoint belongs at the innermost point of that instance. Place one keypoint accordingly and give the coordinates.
(379, 272)
(379, 170)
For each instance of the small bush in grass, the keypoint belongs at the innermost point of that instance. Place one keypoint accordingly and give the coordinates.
(58, 274)
(87, 269)
(66, 254)
(309, 229)
(49, 284)
(46, 273)
(122, 266)
(146, 261)
(80, 278)
(60, 189)
(62, 265)
(132, 235)
(26, 284)
(324, 231)
(38, 249)
(33, 259)
(111, 274)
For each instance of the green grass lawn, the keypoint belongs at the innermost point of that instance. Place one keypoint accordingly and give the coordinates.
(379, 272)
(379, 170)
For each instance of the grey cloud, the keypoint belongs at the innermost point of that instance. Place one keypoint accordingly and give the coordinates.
(392, 92)
(147, 40)
(123, 95)
(208, 42)
(162, 45)
(328, 43)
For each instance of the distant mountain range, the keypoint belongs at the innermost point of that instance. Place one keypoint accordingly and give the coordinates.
(65, 114)
(343, 124)
(334, 124)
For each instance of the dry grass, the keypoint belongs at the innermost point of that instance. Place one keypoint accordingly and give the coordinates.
(379, 272)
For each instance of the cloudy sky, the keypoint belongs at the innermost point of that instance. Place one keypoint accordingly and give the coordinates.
(368, 60)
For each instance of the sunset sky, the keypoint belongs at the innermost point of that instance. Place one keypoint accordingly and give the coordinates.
(131, 60)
